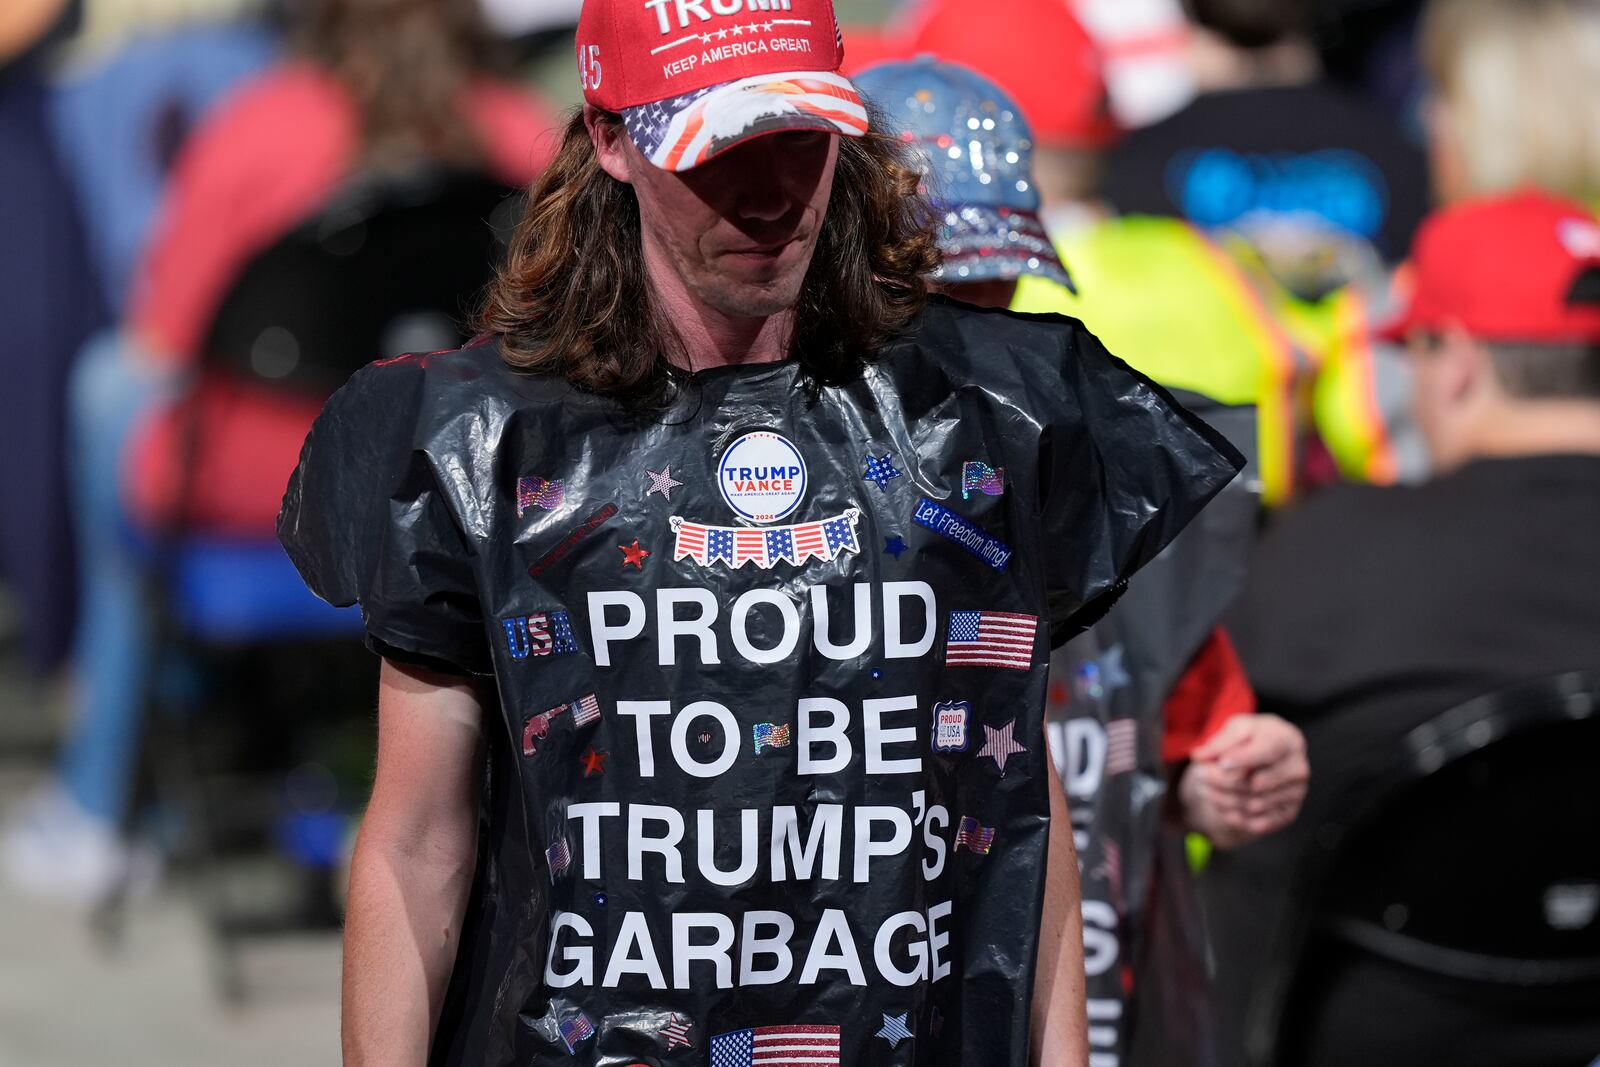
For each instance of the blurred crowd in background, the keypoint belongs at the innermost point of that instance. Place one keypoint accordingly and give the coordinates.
(1359, 232)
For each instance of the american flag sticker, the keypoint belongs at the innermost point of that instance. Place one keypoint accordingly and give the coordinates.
(533, 492)
(575, 1031)
(1122, 746)
(735, 546)
(977, 838)
(585, 710)
(777, 1046)
(977, 476)
(770, 735)
(559, 856)
(990, 639)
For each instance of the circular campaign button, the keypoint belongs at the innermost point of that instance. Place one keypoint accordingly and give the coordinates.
(762, 476)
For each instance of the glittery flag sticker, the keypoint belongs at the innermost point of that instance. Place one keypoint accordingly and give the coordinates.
(770, 735)
(977, 838)
(534, 492)
(979, 477)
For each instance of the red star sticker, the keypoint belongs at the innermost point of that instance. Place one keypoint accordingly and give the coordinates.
(634, 554)
(594, 762)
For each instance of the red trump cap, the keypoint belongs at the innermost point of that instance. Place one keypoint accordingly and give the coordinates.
(1505, 269)
(692, 78)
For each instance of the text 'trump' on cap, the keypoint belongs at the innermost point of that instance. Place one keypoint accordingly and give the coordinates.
(693, 78)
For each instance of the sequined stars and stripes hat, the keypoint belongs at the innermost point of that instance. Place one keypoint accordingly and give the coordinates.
(693, 78)
(977, 154)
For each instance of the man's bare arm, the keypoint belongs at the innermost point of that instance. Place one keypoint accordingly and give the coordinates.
(412, 867)
(1060, 1026)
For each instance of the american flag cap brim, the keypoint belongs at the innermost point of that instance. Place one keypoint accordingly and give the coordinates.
(683, 132)
(981, 243)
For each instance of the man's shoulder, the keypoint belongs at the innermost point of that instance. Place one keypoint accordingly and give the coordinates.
(445, 379)
(971, 340)
(436, 401)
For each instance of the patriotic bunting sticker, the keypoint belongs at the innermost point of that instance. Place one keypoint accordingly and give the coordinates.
(735, 546)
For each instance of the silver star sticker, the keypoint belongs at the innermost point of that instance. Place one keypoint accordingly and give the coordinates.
(663, 483)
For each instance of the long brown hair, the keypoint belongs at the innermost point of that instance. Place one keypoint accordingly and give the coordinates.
(406, 63)
(572, 298)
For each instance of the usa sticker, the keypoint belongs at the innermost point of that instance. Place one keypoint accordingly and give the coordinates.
(952, 725)
(543, 633)
(762, 476)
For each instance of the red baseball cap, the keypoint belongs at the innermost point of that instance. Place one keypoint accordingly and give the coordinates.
(1503, 268)
(693, 78)
(1035, 50)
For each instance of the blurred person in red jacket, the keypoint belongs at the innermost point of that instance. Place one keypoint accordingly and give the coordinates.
(370, 86)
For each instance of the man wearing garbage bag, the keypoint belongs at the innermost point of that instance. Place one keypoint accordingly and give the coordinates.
(715, 585)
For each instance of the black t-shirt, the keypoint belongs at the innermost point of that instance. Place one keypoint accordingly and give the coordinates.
(1299, 170)
(770, 767)
(1386, 606)
(1369, 611)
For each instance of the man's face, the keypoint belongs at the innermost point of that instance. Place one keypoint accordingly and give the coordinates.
(735, 234)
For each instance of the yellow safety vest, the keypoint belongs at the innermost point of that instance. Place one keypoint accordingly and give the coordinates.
(1179, 307)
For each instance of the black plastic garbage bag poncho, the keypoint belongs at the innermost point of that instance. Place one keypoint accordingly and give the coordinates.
(768, 781)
